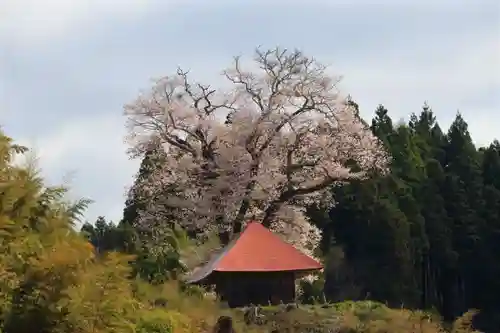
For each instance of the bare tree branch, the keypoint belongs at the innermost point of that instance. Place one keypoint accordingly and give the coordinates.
(288, 136)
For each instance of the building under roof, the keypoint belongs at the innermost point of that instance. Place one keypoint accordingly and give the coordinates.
(256, 267)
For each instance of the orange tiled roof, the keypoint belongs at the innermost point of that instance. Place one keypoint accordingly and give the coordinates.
(257, 249)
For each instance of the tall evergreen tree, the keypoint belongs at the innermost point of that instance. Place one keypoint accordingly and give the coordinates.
(436, 256)
(133, 205)
(382, 125)
(463, 193)
(490, 241)
(103, 235)
(373, 230)
(433, 222)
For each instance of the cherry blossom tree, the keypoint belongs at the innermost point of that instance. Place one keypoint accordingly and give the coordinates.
(264, 149)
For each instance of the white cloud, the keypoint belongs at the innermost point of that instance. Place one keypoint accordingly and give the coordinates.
(448, 5)
(29, 22)
(484, 126)
(32, 21)
(91, 150)
(88, 136)
(448, 69)
(446, 73)
(401, 79)
(449, 76)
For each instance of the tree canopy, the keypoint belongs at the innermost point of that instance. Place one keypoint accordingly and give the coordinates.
(288, 135)
(404, 214)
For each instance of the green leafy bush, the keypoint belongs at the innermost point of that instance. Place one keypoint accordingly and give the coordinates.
(161, 321)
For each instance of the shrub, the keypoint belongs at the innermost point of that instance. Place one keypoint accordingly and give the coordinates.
(162, 321)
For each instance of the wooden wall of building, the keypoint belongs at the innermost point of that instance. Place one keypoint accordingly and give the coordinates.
(259, 288)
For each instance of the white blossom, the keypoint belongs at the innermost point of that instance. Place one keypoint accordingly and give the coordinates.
(274, 143)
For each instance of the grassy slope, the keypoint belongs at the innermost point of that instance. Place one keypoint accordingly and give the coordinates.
(346, 317)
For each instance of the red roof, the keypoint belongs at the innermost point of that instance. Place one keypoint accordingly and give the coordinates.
(257, 249)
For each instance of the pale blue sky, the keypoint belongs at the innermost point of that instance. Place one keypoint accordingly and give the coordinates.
(67, 67)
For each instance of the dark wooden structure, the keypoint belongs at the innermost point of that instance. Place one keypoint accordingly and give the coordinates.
(259, 288)
(257, 267)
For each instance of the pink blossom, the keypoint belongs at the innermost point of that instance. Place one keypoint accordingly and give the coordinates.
(274, 143)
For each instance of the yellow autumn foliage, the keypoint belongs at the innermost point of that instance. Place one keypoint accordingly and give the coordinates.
(51, 279)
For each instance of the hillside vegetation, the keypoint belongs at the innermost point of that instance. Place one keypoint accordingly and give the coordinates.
(54, 280)
(405, 217)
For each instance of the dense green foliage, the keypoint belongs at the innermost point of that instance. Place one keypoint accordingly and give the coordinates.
(425, 237)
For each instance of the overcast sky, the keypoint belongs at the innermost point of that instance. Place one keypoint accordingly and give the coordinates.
(67, 67)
